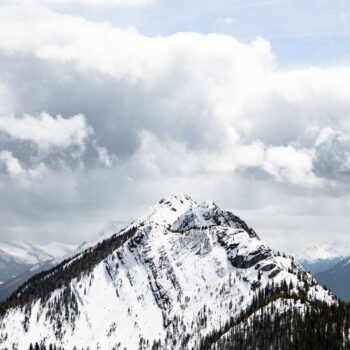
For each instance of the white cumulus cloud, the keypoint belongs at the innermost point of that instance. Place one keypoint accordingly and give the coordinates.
(230, 105)
(291, 165)
(47, 131)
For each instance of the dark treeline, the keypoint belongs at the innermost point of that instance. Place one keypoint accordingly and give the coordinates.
(264, 326)
(326, 328)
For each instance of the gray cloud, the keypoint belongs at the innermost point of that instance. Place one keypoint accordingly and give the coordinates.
(143, 117)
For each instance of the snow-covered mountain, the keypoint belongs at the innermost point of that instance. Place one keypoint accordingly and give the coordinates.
(179, 277)
(17, 257)
(324, 256)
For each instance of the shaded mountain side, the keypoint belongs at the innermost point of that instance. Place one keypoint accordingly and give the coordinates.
(10, 267)
(11, 285)
(337, 279)
(320, 265)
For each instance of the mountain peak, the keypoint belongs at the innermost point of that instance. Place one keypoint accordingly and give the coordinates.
(180, 212)
(181, 263)
(178, 197)
(168, 210)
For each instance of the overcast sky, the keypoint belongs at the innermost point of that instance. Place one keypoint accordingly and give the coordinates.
(106, 106)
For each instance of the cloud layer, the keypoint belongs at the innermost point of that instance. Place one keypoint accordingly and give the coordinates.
(138, 117)
(46, 131)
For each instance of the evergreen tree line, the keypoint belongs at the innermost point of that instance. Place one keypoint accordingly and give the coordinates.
(262, 326)
(326, 328)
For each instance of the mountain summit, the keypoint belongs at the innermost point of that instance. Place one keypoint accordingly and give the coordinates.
(183, 275)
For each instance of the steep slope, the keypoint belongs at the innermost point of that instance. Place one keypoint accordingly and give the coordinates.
(337, 279)
(168, 280)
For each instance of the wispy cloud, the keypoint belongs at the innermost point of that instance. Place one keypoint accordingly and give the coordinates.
(345, 16)
(102, 3)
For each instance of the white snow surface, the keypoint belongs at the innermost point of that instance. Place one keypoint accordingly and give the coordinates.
(184, 257)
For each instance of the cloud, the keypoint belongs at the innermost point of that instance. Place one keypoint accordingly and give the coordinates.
(5, 101)
(332, 155)
(11, 163)
(230, 106)
(345, 16)
(95, 3)
(47, 131)
(16, 170)
(104, 157)
(130, 118)
(283, 163)
(103, 2)
(291, 165)
(226, 20)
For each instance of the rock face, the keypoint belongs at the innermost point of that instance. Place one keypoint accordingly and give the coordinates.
(167, 280)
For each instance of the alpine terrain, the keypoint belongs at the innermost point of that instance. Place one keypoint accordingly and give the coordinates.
(183, 276)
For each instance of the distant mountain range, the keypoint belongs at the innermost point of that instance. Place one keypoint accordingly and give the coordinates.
(322, 257)
(21, 260)
(330, 265)
(337, 279)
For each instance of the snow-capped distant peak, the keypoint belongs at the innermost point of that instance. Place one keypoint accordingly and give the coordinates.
(32, 253)
(326, 251)
(25, 252)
